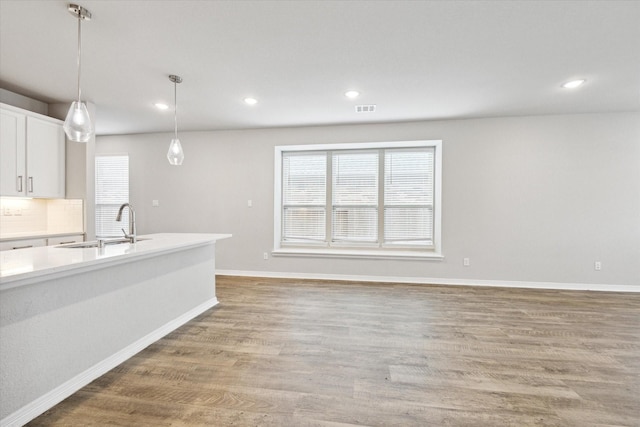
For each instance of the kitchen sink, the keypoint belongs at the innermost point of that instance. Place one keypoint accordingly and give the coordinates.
(85, 245)
(79, 245)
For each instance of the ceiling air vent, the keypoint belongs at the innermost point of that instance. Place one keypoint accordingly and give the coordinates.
(366, 108)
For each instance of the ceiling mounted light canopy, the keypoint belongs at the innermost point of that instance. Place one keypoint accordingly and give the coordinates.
(175, 155)
(78, 125)
(352, 94)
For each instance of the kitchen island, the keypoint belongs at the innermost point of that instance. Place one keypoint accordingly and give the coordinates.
(69, 315)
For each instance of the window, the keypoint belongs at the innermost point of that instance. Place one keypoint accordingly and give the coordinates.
(112, 190)
(372, 199)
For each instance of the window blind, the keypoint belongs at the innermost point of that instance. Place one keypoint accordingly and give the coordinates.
(381, 196)
(408, 196)
(112, 190)
(304, 197)
(355, 197)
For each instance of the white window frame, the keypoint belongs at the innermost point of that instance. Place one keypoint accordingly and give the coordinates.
(434, 252)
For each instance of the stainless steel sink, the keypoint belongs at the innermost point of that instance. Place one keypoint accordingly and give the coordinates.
(79, 245)
(85, 245)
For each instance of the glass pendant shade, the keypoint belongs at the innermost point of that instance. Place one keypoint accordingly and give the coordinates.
(77, 125)
(175, 155)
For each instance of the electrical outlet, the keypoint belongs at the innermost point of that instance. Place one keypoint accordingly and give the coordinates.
(265, 255)
(250, 204)
(155, 203)
(597, 266)
(466, 262)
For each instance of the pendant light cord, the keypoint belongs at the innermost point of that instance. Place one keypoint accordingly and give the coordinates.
(79, 52)
(175, 106)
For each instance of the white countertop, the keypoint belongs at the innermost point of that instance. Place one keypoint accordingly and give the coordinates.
(21, 266)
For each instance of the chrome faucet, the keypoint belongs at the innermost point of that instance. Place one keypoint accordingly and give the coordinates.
(132, 222)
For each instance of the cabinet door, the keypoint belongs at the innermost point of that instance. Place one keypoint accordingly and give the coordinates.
(45, 158)
(61, 240)
(22, 244)
(12, 152)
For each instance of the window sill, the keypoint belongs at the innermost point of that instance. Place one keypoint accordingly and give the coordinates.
(354, 253)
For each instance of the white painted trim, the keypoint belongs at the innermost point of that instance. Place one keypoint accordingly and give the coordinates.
(436, 281)
(277, 198)
(356, 145)
(437, 197)
(57, 395)
(357, 253)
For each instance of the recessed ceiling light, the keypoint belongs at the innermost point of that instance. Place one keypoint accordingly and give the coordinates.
(352, 94)
(251, 101)
(161, 106)
(573, 84)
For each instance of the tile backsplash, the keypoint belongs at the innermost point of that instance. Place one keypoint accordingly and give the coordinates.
(40, 216)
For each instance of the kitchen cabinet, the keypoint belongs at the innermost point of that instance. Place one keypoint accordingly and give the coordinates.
(12, 152)
(61, 240)
(32, 154)
(22, 244)
(34, 242)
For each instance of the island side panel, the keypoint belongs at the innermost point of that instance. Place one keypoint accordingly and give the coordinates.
(55, 331)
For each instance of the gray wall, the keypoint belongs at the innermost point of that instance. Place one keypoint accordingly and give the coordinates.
(528, 199)
(81, 171)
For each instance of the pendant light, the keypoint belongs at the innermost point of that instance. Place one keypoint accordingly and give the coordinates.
(77, 125)
(175, 155)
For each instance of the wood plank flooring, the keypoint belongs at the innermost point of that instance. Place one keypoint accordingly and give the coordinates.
(315, 353)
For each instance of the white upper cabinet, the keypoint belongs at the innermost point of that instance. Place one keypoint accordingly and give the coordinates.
(45, 158)
(12, 153)
(32, 150)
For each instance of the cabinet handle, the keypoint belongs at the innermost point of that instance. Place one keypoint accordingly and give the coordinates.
(30, 184)
(19, 184)
(64, 243)
(22, 247)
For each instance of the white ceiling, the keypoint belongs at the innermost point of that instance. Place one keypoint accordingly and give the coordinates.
(416, 60)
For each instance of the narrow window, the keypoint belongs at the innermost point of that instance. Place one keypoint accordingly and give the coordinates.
(112, 190)
(304, 197)
(354, 197)
(408, 197)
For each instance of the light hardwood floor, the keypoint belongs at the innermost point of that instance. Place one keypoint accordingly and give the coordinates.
(316, 353)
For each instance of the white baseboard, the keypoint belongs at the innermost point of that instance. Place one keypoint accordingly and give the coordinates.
(436, 281)
(57, 395)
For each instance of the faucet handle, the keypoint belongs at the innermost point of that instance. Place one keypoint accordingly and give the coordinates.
(132, 237)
